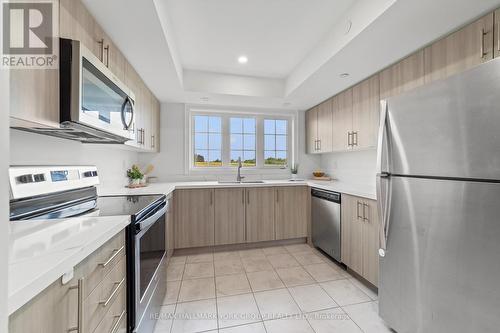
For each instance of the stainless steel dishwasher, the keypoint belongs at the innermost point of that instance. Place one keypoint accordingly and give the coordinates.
(325, 208)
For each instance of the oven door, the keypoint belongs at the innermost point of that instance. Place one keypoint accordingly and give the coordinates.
(150, 273)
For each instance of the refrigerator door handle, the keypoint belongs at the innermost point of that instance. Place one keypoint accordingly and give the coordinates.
(383, 178)
(383, 202)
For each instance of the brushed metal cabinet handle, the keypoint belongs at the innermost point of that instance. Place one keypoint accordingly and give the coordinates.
(248, 198)
(113, 256)
(358, 211)
(79, 326)
(117, 324)
(107, 55)
(355, 138)
(101, 43)
(113, 293)
(364, 212)
(482, 34)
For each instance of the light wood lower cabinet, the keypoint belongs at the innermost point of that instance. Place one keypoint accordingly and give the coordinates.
(229, 215)
(360, 232)
(260, 214)
(170, 229)
(194, 218)
(291, 212)
(56, 308)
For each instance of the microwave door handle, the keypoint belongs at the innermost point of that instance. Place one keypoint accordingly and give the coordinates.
(127, 101)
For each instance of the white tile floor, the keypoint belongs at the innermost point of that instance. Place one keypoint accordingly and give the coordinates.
(282, 289)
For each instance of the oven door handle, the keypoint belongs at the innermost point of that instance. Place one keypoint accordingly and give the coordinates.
(143, 225)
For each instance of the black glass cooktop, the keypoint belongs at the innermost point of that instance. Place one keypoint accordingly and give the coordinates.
(124, 205)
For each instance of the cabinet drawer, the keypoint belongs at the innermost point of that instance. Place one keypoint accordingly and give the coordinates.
(115, 320)
(95, 267)
(100, 300)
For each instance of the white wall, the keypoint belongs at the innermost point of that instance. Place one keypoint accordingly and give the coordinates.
(170, 162)
(356, 167)
(4, 195)
(34, 149)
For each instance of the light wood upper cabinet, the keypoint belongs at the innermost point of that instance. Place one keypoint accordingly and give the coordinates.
(229, 216)
(312, 130)
(360, 236)
(365, 113)
(403, 76)
(291, 212)
(260, 214)
(463, 49)
(342, 120)
(194, 218)
(496, 34)
(76, 22)
(325, 135)
(155, 124)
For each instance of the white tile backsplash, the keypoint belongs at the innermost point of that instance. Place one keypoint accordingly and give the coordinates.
(356, 167)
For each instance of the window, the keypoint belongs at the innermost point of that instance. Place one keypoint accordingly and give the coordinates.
(242, 141)
(218, 140)
(275, 142)
(207, 141)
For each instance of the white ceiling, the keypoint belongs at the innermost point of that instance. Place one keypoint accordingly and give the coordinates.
(275, 35)
(186, 50)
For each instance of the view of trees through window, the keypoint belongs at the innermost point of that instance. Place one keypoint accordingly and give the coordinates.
(275, 142)
(242, 141)
(207, 141)
(219, 140)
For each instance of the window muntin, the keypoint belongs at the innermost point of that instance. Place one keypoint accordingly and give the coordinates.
(243, 142)
(275, 142)
(207, 141)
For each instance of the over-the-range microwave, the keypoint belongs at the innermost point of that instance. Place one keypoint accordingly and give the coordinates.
(91, 96)
(94, 105)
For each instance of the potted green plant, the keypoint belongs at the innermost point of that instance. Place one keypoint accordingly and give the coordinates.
(295, 170)
(135, 175)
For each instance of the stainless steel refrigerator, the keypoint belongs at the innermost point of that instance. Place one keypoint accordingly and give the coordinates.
(438, 189)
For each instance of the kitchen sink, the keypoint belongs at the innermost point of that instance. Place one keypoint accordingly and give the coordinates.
(252, 182)
(228, 182)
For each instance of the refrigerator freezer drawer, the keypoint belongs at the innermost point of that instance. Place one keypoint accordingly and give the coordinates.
(442, 267)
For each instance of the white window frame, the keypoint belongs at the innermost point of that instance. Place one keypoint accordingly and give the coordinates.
(225, 114)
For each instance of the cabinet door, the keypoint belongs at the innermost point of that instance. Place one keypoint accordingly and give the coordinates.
(352, 233)
(402, 76)
(170, 230)
(229, 216)
(496, 34)
(365, 113)
(155, 124)
(133, 81)
(370, 241)
(312, 130)
(115, 60)
(34, 97)
(260, 211)
(146, 117)
(54, 310)
(194, 218)
(75, 22)
(291, 212)
(325, 135)
(463, 49)
(342, 120)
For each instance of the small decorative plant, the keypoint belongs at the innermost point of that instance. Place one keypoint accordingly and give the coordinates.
(134, 174)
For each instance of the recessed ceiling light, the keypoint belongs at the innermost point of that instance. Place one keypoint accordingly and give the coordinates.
(242, 59)
(343, 75)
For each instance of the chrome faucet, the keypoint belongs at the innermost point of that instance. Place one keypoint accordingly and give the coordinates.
(238, 176)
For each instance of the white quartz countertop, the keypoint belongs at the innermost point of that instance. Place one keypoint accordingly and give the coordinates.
(42, 251)
(365, 191)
